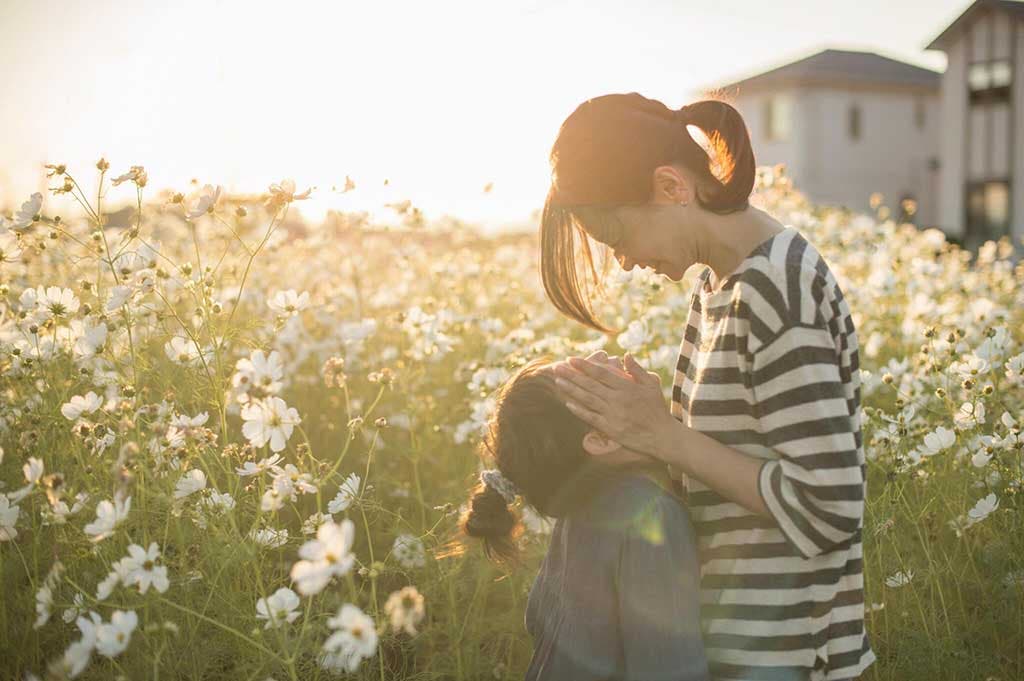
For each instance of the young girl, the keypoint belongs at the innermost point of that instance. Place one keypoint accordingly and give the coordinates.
(617, 596)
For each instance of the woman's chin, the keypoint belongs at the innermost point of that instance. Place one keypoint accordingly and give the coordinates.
(672, 274)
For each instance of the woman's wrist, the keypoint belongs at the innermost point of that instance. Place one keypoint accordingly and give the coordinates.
(669, 443)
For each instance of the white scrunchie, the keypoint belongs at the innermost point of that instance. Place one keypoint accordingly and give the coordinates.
(506, 488)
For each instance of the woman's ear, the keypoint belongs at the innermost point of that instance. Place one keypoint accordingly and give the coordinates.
(673, 184)
(597, 444)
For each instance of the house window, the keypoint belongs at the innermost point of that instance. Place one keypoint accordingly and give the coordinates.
(854, 122)
(988, 212)
(989, 81)
(777, 118)
(919, 113)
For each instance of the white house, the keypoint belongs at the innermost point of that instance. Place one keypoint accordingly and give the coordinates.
(848, 124)
(981, 191)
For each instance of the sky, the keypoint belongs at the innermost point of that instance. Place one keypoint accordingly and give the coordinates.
(440, 98)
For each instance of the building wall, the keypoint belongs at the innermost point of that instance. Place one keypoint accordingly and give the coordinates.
(891, 157)
(1016, 141)
(952, 149)
(770, 152)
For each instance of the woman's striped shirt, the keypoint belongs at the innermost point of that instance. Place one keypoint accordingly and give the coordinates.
(768, 365)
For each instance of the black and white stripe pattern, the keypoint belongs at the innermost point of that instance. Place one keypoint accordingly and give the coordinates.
(768, 365)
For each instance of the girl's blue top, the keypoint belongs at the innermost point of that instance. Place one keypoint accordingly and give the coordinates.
(618, 593)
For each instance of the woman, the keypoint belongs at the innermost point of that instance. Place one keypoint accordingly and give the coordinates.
(764, 423)
(617, 596)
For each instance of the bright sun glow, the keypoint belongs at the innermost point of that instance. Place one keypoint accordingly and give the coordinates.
(439, 98)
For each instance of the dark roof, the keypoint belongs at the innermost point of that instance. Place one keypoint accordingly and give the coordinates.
(843, 67)
(1014, 7)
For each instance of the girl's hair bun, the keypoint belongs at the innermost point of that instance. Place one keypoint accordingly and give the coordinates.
(489, 518)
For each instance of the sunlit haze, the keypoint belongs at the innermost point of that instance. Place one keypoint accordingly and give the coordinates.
(440, 98)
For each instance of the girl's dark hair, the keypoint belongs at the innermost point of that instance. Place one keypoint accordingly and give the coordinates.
(537, 443)
(604, 157)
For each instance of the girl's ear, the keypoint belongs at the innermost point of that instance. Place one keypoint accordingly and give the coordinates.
(596, 444)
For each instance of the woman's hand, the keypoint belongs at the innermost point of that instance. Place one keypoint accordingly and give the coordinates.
(626, 406)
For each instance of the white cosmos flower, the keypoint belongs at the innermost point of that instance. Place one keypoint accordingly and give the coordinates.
(311, 524)
(1015, 368)
(77, 655)
(346, 494)
(278, 608)
(118, 296)
(120, 569)
(355, 638)
(44, 601)
(285, 193)
(409, 551)
(144, 569)
(181, 350)
(192, 481)
(91, 339)
(272, 500)
(218, 501)
(136, 174)
(324, 557)
(269, 420)
(969, 415)
(8, 519)
(899, 579)
(269, 537)
(33, 470)
(289, 480)
(250, 468)
(972, 366)
(205, 202)
(108, 516)
(10, 249)
(289, 302)
(635, 337)
(26, 215)
(81, 404)
(405, 609)
(938, 440)
(983, 508)
(113, 637)
(50, 302)
(259, 371)
(980, 458)
(76, 610)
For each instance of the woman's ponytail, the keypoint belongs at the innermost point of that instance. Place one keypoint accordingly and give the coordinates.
(731, 169)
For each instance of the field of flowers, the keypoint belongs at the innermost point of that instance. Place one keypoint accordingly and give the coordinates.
(232, 444)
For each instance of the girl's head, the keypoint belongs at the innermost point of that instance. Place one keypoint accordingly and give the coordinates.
(552, 457)
(627, 171)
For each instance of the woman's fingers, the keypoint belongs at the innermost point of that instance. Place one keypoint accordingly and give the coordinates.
(602, 374)
(574, 393)
(591, 418)
(581, 381)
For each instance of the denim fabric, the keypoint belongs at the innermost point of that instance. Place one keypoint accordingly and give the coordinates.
(618, 594)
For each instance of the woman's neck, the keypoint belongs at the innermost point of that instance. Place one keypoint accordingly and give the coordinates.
(732, 237)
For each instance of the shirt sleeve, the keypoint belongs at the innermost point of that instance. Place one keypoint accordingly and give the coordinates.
(815, 489)
(658, 589)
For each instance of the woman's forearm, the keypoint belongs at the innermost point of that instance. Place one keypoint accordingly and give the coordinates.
(729, 472)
